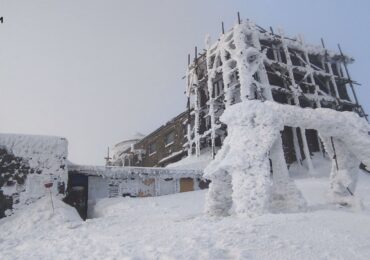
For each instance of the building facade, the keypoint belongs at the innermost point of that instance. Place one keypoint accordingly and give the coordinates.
(159, 148)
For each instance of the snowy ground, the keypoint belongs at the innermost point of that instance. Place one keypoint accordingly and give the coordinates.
(174, 227)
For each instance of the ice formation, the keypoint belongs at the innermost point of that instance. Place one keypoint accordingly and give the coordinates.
(254, 137)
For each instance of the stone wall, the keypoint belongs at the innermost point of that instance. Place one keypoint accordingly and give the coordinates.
(27, 162)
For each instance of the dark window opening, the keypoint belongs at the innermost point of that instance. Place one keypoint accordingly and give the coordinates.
(169, 138)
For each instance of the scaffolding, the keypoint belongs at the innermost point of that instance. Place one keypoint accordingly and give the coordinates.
(291, 72)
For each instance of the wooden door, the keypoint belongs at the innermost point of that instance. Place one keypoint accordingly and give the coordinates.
(186, 184)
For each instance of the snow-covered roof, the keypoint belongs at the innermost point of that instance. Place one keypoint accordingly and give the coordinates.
(46, 152)
(125, 172)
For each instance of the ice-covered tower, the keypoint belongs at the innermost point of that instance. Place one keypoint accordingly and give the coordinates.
(289, 71)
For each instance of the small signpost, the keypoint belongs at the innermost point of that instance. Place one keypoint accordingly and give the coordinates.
(48, 185)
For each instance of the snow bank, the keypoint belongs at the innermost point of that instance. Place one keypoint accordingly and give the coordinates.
(39, 217)
(174, 227)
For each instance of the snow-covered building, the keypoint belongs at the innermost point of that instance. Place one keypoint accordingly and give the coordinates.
(161, 147)
(124, 152)
(88, 184)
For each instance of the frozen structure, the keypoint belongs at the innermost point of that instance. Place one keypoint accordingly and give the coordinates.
(289, 71)
(27, 163)
(249, 63)
(240, 173)
(88, 184)
(124, 151)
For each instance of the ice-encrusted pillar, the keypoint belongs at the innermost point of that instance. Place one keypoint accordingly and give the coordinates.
(219, 195)
(195, 84)
(244, 158)
(344, 170)
(211, 72)
(284, 193)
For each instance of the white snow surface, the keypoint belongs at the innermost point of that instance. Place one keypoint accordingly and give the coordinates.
(175, 227)
(193, 162)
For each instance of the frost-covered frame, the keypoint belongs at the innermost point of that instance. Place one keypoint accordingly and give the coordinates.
(292, 72)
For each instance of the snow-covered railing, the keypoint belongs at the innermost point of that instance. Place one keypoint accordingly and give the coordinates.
(117, 172)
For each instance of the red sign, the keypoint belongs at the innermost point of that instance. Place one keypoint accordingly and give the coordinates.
(48, 185)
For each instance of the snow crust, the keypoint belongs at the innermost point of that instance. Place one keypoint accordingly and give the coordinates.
(117, 172)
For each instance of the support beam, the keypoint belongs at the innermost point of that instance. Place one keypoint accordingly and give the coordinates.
(296, 92)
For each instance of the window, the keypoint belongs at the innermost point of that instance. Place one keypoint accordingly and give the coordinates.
(169, 138)
(152, 148)
(217, 88)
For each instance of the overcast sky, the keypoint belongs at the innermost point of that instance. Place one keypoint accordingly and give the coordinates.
(96, 72)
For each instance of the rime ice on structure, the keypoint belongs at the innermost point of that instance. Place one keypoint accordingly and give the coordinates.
(254, 131)
(249, 63)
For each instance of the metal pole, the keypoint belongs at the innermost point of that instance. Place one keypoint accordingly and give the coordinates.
(272, 30)
(335, 154)
(348, 76)
(239, 20)
(51, 198)
(351, 84)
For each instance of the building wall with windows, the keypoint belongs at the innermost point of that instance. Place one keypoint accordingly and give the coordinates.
(163, 146)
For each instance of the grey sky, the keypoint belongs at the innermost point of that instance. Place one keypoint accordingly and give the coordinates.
(98, 71)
